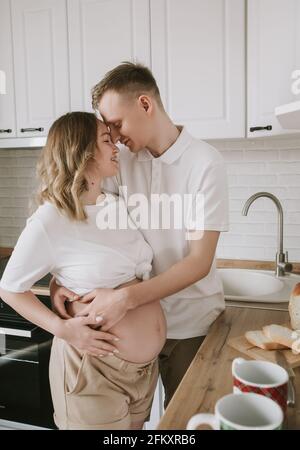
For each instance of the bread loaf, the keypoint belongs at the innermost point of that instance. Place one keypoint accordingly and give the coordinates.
(259, 339)
(294, 307)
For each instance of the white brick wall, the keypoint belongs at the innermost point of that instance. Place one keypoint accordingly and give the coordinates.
(17, 186)
(271, 164)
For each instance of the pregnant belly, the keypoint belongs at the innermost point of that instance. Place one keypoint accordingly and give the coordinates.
(142, 332)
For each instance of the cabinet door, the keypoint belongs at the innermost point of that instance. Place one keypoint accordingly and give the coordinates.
(198, 50)
(157, 409)
(7, 101)
(102, 34)
(273, 54)
(41, 64)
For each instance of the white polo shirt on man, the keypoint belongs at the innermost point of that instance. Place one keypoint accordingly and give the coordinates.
(189, 166)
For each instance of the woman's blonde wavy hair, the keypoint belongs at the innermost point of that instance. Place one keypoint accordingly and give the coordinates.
(71, 143)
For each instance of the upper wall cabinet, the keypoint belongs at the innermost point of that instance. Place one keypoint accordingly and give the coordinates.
(54, 51)
(39, 29)
(7, 101)
(198, 59)
(103, 33)
(273, 54)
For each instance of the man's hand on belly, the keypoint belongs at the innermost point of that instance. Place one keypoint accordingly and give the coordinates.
(106, 306)
(59, 296)
(74, 308)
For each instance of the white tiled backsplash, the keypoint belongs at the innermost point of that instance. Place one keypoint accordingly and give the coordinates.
(254, 165)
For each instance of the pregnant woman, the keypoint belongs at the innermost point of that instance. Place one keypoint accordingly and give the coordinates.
(68, 237)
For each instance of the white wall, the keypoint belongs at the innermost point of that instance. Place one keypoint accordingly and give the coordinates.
(254, 165)
(17, 183)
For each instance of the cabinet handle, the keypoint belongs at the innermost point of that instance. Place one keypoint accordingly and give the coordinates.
(6, 131)
(268, 127)
(15, 332)
(25, 130)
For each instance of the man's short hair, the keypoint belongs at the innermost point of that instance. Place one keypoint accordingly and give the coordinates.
(132, 79)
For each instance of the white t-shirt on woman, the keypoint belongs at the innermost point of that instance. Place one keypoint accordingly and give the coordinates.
(79, 254)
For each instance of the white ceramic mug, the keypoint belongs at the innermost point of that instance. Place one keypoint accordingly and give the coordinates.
(241, 412)
(261, 377)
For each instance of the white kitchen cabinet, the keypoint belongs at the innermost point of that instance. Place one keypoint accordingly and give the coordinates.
(198, 59)
(102, 34)
(7, 101)
(40, 49)
(273, 54)
(54, 51)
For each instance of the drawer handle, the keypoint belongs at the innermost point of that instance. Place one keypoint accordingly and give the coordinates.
(6, 131)
(15, 332)
(25, 130)
(268, 127)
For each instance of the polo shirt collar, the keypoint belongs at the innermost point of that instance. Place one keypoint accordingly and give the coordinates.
(173, 153)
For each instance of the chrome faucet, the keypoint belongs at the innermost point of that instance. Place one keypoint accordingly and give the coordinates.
(281, 262)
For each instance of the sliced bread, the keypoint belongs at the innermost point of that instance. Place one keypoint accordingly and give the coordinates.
(259, 339)
(281, 335)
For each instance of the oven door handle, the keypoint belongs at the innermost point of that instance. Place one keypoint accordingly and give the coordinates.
(16, 332)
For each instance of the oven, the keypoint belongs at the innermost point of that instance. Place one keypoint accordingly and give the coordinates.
(24, 377)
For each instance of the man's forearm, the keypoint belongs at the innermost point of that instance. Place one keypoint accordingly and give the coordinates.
(181, 275)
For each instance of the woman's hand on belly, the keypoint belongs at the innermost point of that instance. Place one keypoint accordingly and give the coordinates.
(78, 332)
(106, 306)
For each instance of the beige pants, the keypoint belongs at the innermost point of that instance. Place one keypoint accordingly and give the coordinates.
(105, 393)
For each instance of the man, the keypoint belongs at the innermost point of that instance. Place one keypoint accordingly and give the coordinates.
(163, 158)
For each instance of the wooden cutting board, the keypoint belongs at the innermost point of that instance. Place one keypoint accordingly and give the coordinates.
(241, 344)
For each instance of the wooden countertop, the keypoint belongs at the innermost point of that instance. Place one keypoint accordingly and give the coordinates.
(209, 375)
(5, 251)
(252, 264)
